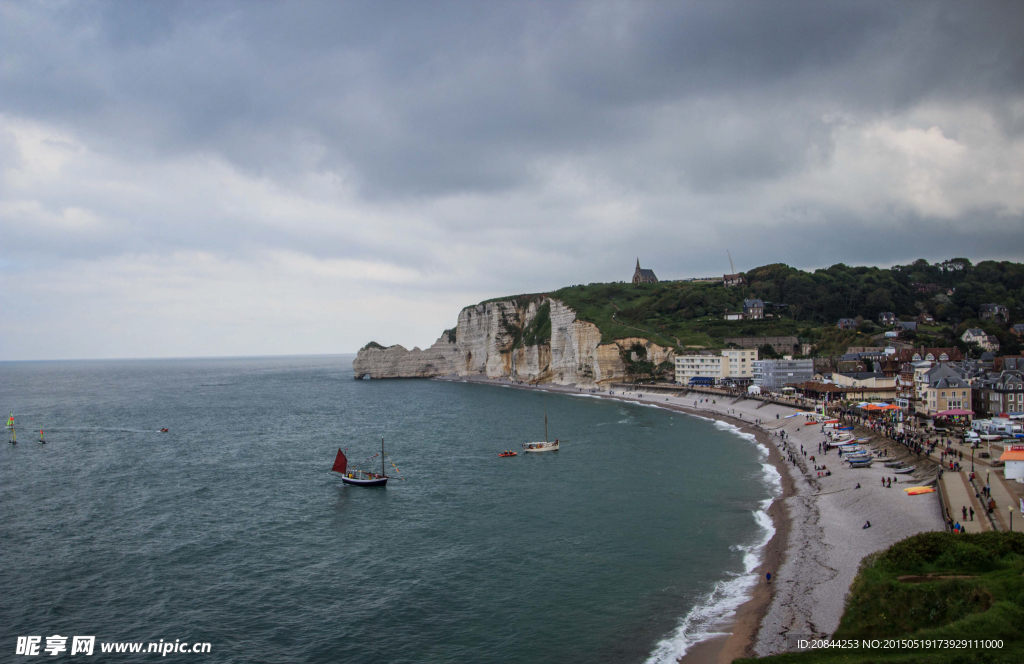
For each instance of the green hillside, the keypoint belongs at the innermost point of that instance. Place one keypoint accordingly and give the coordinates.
(933, 586)
(807, 304)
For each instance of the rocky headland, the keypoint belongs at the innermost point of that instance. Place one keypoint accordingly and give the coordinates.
(535, 339)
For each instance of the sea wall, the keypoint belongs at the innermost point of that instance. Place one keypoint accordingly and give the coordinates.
(512, 339)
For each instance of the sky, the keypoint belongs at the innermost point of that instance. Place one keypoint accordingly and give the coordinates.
(182, 179)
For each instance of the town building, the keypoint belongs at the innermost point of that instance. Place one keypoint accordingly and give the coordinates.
(914, 362)
(733, 280)
(785, 345)
(866, 385)
(847, 324)
(753, 309)
(999, 393)
(642, 276)
(945, 388)
(1013, 462)
(729, 366)
(776, 374)
(979, 338)
(925, 319)
(887, 318)
(1018, 329)
(994, 312)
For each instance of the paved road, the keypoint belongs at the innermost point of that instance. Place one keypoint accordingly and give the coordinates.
(958, 494)
(1005, 496)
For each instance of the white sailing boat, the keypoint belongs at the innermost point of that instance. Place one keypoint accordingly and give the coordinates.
(545, 446)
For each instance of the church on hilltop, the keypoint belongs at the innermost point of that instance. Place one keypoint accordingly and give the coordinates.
(642, 276)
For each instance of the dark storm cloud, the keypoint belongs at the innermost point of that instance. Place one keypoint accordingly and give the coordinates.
(414, 99)
(300, 165)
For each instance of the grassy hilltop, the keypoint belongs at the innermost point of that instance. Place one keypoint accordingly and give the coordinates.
(806, 304)
(933, 586)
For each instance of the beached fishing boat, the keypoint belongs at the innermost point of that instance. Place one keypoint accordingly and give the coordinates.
(894, 464)
(904, 471)
(545, 446)
(357, 477)
(860, 463)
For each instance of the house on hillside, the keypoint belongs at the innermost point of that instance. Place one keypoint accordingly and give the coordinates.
(978, 337)
(733, 280)
(1018, 329)
(847, 324)
(995, 312)
(887, 318)
(753, 309)
(642, 276)
(925, 319)
(906, 326)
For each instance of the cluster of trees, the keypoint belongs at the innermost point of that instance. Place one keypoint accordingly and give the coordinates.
(906, 290)
(953, 290)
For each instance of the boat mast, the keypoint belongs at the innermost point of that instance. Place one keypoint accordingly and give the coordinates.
(382, 456)
(545, 423)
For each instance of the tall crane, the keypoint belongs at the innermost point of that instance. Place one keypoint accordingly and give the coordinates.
(731, 265)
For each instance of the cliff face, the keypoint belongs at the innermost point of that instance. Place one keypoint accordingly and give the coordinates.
(513, 339)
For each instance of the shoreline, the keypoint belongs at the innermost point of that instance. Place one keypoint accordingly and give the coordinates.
(739, 631)
(818, 541)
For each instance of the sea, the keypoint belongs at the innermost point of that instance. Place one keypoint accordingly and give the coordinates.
(630, 544)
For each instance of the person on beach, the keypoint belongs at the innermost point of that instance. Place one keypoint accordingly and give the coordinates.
(972, 514)
(769, 577)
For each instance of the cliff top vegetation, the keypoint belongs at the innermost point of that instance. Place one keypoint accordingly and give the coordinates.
(806, 304)
(933, 586)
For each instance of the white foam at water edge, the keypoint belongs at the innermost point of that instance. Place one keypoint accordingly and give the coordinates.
(721, 603)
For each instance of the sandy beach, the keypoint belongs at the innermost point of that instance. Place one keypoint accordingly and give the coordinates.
(819, 537)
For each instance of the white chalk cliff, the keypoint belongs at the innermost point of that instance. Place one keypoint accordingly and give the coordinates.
(507, 339)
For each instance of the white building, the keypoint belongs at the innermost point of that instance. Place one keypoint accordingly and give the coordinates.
(733, 364)
(1013, 460)
(776, 374)
(978, 337)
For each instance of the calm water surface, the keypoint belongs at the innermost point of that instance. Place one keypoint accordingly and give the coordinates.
(230, 529)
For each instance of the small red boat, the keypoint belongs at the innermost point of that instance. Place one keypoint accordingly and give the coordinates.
(163, 430)
(509, 453)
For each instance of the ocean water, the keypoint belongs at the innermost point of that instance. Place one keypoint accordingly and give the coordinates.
(625, 546)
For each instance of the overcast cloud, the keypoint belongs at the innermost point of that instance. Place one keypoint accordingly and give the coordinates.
(234, 178)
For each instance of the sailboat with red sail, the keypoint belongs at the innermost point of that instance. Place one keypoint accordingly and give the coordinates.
(357, 477)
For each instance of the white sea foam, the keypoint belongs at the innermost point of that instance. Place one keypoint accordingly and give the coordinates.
(584, 394)
(706, 618)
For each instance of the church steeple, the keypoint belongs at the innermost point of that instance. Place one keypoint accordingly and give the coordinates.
(642, 276)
